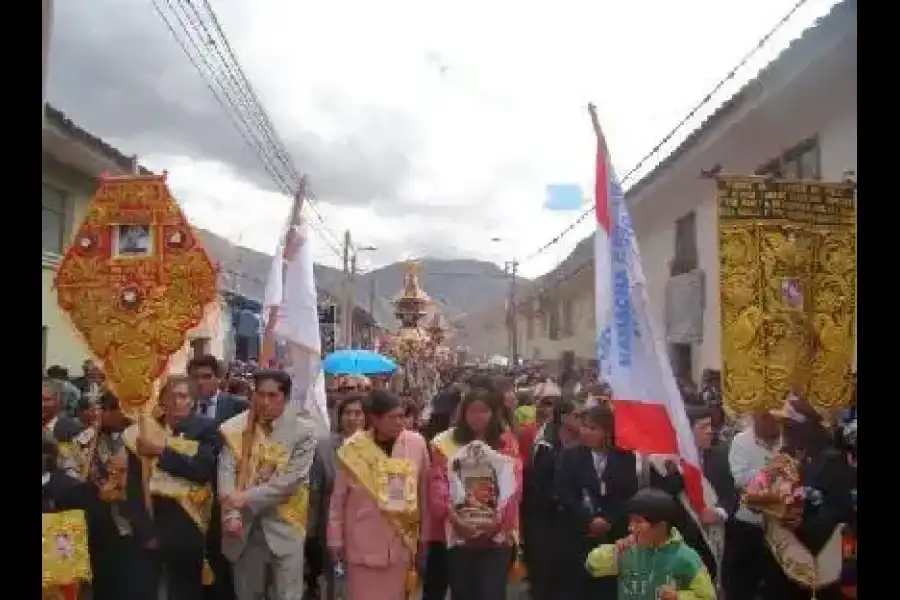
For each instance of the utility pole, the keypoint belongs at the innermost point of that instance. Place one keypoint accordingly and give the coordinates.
(512, 269)
(346, 299)
(372, 292)
(352, 296)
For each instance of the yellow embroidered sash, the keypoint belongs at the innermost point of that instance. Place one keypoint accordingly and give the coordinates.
(798, 563)
(194, 498)
(268, 459)
(64, 549)
(391, 482)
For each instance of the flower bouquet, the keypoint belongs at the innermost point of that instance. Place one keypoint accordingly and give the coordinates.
(775, 491)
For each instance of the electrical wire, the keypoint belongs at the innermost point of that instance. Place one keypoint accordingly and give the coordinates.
(204, 43)
(690, 115)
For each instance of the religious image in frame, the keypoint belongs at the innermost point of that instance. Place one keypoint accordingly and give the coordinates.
(132, 241)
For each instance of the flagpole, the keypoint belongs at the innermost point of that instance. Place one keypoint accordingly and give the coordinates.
(595, 121)
(267, 351)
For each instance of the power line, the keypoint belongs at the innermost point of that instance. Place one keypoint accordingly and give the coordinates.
(706, 100)
(204, 43)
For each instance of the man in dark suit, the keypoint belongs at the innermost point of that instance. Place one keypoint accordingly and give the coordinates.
(59, 427)
(185, 446)
(593, 483)
(212, 402)
(206, 372)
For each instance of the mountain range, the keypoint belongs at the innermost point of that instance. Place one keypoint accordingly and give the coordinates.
(458, 286)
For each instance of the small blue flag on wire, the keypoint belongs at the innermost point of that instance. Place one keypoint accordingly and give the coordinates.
(564, 196)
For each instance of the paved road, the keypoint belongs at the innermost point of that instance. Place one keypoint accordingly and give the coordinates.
(515, 591)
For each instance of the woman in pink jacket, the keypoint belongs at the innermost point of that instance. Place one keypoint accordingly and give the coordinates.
(375, 513)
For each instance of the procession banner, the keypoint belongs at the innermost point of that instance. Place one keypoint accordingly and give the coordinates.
(787, 282)
(133, 282)
(650, 414)
(292, 316)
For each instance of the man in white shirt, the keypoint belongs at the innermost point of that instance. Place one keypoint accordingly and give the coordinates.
(745, 549)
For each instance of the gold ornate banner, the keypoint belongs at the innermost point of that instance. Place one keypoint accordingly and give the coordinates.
(787, 266)
(134, 281)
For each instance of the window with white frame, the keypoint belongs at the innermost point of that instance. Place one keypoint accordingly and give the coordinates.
(53, 219)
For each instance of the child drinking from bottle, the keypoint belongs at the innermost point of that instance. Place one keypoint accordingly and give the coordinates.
(652, 562)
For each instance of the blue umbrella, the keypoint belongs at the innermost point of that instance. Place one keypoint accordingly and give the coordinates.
(357, 362)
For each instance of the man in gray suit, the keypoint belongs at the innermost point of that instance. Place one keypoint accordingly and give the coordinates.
(260, 534)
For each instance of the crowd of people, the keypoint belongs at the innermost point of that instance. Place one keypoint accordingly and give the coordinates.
(212, 500)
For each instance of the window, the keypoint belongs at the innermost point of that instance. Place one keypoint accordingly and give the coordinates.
(803, 161)
(685, 259)
(199, 347)
(568, 317)
(553, 321)
(53, 219)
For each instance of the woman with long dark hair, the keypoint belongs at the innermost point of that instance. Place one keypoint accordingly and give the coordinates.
(480, 558)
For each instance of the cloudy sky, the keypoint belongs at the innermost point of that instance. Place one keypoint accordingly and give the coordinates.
(427, 129)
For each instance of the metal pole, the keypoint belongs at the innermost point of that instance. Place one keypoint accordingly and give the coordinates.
(372, 292)
(514, 311)
(512, 269)
(345, 291)
(352, 297)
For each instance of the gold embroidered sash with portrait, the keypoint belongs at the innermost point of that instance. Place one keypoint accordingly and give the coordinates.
(391, 482)
(269, 459)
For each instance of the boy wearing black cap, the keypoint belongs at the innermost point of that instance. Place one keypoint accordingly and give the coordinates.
(653, 562)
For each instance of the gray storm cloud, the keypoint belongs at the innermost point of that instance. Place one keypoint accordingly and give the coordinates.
(117, 71)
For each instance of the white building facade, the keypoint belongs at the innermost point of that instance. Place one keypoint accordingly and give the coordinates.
(798, 115)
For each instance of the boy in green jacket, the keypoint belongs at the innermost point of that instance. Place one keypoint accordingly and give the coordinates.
(653, 562)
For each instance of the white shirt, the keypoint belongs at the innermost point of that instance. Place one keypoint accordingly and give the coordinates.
(210, 407)
(747, 456)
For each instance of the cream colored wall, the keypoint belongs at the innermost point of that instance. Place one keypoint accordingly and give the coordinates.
(216, 327)
(64, 346)
(583, 339)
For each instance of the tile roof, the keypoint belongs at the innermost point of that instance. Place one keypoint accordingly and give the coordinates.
(58, 119)
(805, 44)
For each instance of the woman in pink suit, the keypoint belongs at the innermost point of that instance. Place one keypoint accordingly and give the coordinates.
(375, 514)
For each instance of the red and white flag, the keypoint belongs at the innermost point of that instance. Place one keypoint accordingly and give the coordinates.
(292, 317)
(650, 414)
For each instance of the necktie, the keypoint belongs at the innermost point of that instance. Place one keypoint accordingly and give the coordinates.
(203, 407)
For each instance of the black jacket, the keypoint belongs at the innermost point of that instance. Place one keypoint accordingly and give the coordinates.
(578, 489)
(62, 492)
(227, 406)
(170, 525)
